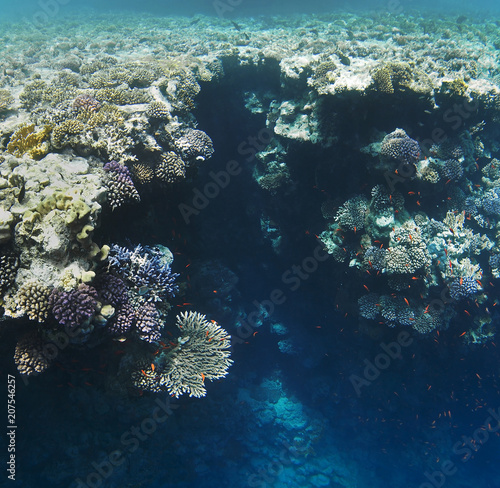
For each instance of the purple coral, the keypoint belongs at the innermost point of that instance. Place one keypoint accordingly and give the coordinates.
(75, 307)
(148, 323)
(397, 145)
(463, 288)
(111, 289)
(121, 188)
(145, 269)
(123, 319)
(86, 103)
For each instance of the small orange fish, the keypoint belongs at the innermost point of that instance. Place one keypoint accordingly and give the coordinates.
(406, 301)
(203, 377)
(467, 312)
(462, 334)
(366, 288)
(152, 367)
(143, 372)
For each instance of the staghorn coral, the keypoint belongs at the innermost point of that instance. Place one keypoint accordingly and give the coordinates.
(463, 288)
(123, 319)
(111, 289)
(146, 269)
(202, 353)
(33, 300)
(171, 168)
(26, 141)
(120, 186)
(451, 169)
(31, 355)
(400, 147)
(122, 96)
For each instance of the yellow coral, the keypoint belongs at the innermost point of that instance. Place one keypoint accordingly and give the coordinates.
(26, 141)
(5, 99)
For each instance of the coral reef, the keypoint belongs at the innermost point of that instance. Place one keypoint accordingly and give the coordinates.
(31, 356)
(121, 189)
(74, 308)
(202, 352)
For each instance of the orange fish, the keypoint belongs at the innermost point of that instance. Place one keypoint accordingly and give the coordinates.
(203, 377)
(406, 301)
(152, 367)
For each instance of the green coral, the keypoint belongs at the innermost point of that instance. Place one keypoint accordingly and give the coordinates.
(26, 141)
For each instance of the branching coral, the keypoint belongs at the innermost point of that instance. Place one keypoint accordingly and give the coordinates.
(121, 188)
(400, 147)
(74, 308)
(146, 270)
(202, 353)
(171, 168)
(31, 356)
(33, 300)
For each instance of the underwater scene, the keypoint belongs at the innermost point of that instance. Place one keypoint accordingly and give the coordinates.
(250, 244)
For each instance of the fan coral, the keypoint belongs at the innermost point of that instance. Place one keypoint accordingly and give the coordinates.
(33, 300)
(120, 186)
(397, 145)
(195, 144)
(202, 353)
(74, 308)
(31, 355)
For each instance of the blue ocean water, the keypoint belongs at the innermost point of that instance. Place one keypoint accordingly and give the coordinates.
(318, 394)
